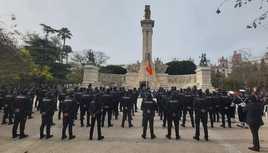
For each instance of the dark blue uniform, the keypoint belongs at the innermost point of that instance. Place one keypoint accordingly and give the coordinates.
(148, 107)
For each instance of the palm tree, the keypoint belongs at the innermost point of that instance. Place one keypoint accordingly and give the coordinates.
(48, 29)
(64, 33)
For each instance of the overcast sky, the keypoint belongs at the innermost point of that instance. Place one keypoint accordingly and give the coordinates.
(183, 28)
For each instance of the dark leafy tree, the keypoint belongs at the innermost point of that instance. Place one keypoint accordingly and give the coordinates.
(180, 67)
(113, 69)
(46, 53)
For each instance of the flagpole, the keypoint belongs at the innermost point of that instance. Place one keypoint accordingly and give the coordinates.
(146, 80)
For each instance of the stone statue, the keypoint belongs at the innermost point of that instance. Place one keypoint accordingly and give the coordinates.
(203, 60)
(134, 67)
(147, 12)
(160, 67)
(91, 58)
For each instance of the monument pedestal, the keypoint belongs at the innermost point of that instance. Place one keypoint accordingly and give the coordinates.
(91, 76)
(203, 78)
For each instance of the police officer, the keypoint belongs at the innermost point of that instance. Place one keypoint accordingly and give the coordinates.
(159, 98)
(83, 107)
(77, 100)
(148, 107)
(242, 101)
(107, 107)
(30, 97)
(61, 98)
(225, 110)
(8, 108)
(116, 95)
(46, 110)
(135, 98)
(20, 107)
(95, 110)
(126, 104)
(173, 113)
(68, 110)
(87, 97)
(211, 107)
(187, 107)
(201, 115)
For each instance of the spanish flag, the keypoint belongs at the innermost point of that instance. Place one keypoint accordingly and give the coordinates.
(149, 68)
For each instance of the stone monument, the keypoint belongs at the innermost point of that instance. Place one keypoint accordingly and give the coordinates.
(137, 74)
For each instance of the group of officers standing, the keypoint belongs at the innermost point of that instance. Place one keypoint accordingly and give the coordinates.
(93, 105)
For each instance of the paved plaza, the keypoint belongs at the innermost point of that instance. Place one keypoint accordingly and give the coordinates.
(125, 140)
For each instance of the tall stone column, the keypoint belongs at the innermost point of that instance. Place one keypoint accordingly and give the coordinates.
(147, 25)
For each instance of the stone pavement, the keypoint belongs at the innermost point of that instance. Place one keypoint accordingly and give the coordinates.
(125, 140)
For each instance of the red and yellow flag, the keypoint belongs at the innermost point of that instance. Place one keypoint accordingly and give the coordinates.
(148, 67)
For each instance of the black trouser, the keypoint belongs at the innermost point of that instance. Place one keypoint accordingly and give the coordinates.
(135, 106)
(82, 114)
(241, 114)
(88, 118)
(31, 109)
(36, 101)
(109, 112)
(76, 111)
(201, 117)
(126, 115)
(211, 117)
(93, 120)
(20, 119)
(233, 111)
(67, 122)
(226, 113)
(116, 111)
(164, 120)
(254, 131)
(216, 114)
(7, 114)
(171, 119)
(46, 122)
(191, 116)
(145, 121)
(161, 113)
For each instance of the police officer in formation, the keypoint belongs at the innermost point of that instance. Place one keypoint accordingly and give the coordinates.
(188, 108)
(127, 105)
(95, 110)
(173, 113)
(172, 105)
(242, 101)
(149, 107)
(21, 110)
(46, 110)
(107, 101)
(201, 115)
(68, 110)
(8, 104)
(87, 97)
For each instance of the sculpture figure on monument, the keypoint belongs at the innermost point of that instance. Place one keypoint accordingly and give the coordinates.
(203, 60)
(90, 58)
(147, 12)
(134, 67)
(160, 67)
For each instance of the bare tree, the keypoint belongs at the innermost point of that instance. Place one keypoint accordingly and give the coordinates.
(89, 56)
(262, 9)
